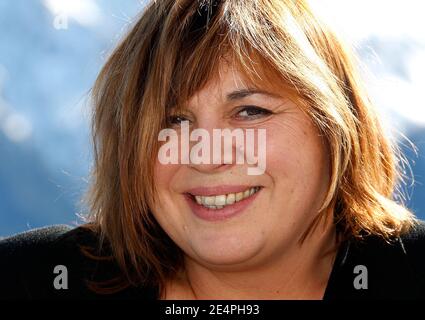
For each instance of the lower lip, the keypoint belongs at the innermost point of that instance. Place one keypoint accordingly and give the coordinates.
(227, 212)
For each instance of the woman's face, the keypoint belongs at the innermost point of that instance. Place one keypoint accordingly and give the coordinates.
(258, 227)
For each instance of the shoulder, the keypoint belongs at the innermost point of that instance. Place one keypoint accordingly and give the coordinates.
(33, 242)
(414, 239)
(30, 260)
(383, 269)
(413, 246)
(37, 242)
(49, 263)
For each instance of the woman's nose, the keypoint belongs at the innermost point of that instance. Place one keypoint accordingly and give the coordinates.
(210, 168)
(219, 155)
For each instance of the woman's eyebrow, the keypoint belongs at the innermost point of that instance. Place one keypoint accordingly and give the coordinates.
(243, 93)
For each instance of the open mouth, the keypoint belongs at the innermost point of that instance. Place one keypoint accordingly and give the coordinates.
(220, 201)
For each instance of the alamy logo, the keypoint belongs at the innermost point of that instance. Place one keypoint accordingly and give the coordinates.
(200, 153)
(60, 22)
(61, 280)
(361, 280)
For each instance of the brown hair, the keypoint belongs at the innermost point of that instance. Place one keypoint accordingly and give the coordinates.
(169, 54)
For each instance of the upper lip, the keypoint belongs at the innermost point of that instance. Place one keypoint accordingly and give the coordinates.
(216, 190)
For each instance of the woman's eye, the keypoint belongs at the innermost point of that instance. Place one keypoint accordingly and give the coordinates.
(252, 112)
(177, 119)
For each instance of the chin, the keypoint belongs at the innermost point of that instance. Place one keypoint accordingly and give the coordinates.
(225, 250)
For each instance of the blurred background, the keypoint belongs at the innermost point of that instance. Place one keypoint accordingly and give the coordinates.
(51, 51)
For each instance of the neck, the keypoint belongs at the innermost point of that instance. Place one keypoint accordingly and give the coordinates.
(302, 272)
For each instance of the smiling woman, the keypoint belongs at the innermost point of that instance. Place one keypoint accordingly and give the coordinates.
(317, 223)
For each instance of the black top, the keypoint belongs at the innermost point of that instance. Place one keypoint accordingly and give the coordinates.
(371, 269)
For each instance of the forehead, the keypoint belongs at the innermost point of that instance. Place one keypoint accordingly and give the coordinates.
(230, 78)
(230, 83)
(226, 79)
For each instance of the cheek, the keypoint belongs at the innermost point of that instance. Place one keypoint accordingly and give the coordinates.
(164, 174)
(166, 207)
(296, 157)
(286, 151)
(165, 177)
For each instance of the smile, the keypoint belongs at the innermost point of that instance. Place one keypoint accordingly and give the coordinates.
(222, 200)
(220, 203)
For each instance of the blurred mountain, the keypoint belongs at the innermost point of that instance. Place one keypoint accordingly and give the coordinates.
(416, 192)
(45, 75)
(31, 195)
(396, 82)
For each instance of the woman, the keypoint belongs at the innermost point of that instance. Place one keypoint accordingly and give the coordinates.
(318, 222)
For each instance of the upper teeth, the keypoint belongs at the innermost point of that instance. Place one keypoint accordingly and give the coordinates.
(219, 201)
